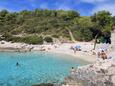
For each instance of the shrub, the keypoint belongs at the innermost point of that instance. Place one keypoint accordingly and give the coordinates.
(16, 31)
(7, 36)
(86, 35)
(55, 36)
(48, 39)
(16, 39)
(27, 39)
(101, 39)
(33, 39)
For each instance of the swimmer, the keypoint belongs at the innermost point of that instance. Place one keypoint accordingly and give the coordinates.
(17, 64)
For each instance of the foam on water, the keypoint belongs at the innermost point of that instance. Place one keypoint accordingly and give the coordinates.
(34, 67)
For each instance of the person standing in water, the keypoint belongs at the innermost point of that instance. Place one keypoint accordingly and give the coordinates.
(17, 64)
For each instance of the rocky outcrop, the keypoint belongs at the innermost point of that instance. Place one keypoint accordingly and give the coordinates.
(101, 73)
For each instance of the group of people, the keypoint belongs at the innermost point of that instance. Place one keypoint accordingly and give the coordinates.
(76, 48)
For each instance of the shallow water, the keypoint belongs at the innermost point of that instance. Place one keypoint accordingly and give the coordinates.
(34, 68)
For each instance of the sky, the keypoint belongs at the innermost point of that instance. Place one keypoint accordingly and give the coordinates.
(84, 7)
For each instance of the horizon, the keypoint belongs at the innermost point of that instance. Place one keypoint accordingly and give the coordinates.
(84, 7)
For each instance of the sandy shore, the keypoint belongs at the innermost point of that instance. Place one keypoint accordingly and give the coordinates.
(64, 48)
(85, 54)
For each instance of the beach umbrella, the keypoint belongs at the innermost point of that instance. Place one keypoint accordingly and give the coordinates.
(77, 46)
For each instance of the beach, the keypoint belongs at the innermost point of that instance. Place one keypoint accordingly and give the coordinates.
(64, 48)
(86, 53)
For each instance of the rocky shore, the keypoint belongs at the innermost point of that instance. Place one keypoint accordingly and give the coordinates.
(101, 73)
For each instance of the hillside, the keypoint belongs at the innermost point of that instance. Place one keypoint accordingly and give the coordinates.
(60, 24)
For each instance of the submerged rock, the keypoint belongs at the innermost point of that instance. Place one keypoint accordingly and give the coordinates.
(101, 73)
(43, 84)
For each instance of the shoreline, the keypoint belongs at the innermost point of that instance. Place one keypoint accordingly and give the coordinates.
(86, 53)
(75, 56)
(56, 48)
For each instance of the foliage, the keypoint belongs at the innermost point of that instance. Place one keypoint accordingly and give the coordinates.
(7, 36)
(33, 39)
(48, 39)
(113, 20)
(82, 30)
(56, 23)
(55, 36)
(83, 34)
(103, 20)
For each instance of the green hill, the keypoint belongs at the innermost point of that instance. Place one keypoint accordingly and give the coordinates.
(69, 25)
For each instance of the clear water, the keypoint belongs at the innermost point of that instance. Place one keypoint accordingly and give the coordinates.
(34, 68)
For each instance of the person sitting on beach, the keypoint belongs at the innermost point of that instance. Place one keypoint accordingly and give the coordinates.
(78, 48)
(103, 55)
(74, 49)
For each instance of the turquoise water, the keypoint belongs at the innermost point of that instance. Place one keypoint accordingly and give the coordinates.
(34, 68)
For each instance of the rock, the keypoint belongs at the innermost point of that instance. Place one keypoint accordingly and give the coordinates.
(96, 75)
(111, 71)
(113, 79)
(43, 84)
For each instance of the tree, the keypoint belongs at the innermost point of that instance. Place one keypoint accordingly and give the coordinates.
(103, 20)
(73, 14)
(113, 20)
(82, 28)
(68, 15)
(33, 39)
(67, 24)
(48, 39)
(3, 13)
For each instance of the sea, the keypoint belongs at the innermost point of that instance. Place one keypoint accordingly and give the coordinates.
(29, 68)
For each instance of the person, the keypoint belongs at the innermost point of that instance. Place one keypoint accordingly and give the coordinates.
(73, 48)
(17, 64)
(98, 54)
(73, 70)
(103, 55)
(93, 52)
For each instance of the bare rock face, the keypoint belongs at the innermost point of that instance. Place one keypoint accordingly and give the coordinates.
(101, 73)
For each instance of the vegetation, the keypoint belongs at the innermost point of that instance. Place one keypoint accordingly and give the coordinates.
(56, 23)
(103, 21)
(48, 39)
(33, 39)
